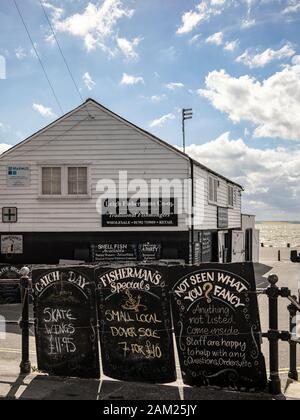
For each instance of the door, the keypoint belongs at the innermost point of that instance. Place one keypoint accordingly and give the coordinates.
(223, 246)
(238, 246)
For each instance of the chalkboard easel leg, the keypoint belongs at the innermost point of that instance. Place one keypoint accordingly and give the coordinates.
(25, 366)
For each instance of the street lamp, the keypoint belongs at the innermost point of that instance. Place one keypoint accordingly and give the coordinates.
(187, 114)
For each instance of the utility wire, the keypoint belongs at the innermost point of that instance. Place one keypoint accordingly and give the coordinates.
(38, 56)
(61, 51)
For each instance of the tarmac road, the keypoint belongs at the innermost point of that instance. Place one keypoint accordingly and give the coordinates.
(289, 274)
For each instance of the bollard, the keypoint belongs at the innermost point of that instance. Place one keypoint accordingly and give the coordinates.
(293, 373)
(274, 336)
(25, 366)
(279, 256)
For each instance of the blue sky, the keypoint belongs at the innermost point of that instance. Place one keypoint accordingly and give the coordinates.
(236, 63)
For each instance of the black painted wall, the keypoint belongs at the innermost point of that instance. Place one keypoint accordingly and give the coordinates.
(49, 248)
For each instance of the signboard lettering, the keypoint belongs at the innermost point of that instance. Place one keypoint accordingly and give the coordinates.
(138, 213)
(135, 333)
(66, 332)
(18, 176)
(217, 326)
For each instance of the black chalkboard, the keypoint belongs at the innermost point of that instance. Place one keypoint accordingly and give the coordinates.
(207, 239)
(66, 321)
(217, 325)
(10, 292)
(135, 324)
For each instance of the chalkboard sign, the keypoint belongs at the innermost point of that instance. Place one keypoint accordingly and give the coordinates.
(10, 292)
(217, 326)
(135, 324)
(114, 252)
(65, 312)
(206, 247)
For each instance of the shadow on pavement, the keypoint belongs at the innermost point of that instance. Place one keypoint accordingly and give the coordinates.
(49, 388)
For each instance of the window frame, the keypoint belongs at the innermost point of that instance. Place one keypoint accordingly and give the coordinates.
(230, 204)
(216, 183)
(64, 182)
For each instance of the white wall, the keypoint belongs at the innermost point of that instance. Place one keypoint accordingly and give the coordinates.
(210, 211)
(106, 145)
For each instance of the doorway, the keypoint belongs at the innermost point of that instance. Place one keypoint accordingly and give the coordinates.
(249, 245)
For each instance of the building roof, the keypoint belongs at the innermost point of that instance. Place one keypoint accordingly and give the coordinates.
(164, 143)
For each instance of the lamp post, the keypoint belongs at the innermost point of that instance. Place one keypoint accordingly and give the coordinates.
(187, 114)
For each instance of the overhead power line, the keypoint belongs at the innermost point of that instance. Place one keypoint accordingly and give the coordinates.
(61, 50)
(38, 56)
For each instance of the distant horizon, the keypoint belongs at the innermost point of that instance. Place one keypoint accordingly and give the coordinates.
(279, 221)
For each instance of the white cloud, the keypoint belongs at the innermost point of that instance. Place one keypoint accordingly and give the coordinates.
(248, 23)
(216, 39)
(128, 47)
(131, 80)
(88, 81)
(22, 53)
(96, 25)
(272, 105)
(174, 85)
(269, 55)
(201, 13)
(195, 39)
(4, 128)
(270, 177)
(292, 7)
(157, 98)
(4, 147)
(44, 111)
(159, 122)
(231, 45)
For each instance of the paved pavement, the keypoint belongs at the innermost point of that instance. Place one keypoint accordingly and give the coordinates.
(42, 387)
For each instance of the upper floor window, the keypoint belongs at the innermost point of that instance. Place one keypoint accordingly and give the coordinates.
(213, 190)
(231, 196)
(51, 181)
(64, 181)
(77, 181)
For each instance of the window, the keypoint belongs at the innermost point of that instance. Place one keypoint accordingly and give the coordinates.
(51, 181)
(12, 171)
(231, 196)
(213, 190)
(77, 181)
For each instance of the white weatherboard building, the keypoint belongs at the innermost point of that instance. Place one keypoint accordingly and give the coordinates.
(49, 197)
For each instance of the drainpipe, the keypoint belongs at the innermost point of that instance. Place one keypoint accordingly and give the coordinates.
(192, 227)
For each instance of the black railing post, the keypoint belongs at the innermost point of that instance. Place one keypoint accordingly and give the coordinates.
(293, 373)
(25, 366)
(274, 336)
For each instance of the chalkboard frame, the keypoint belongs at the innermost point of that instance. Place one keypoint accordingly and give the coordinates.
(113, 360)
(83, 364)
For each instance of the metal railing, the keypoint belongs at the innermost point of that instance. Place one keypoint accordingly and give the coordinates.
(274, 335)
